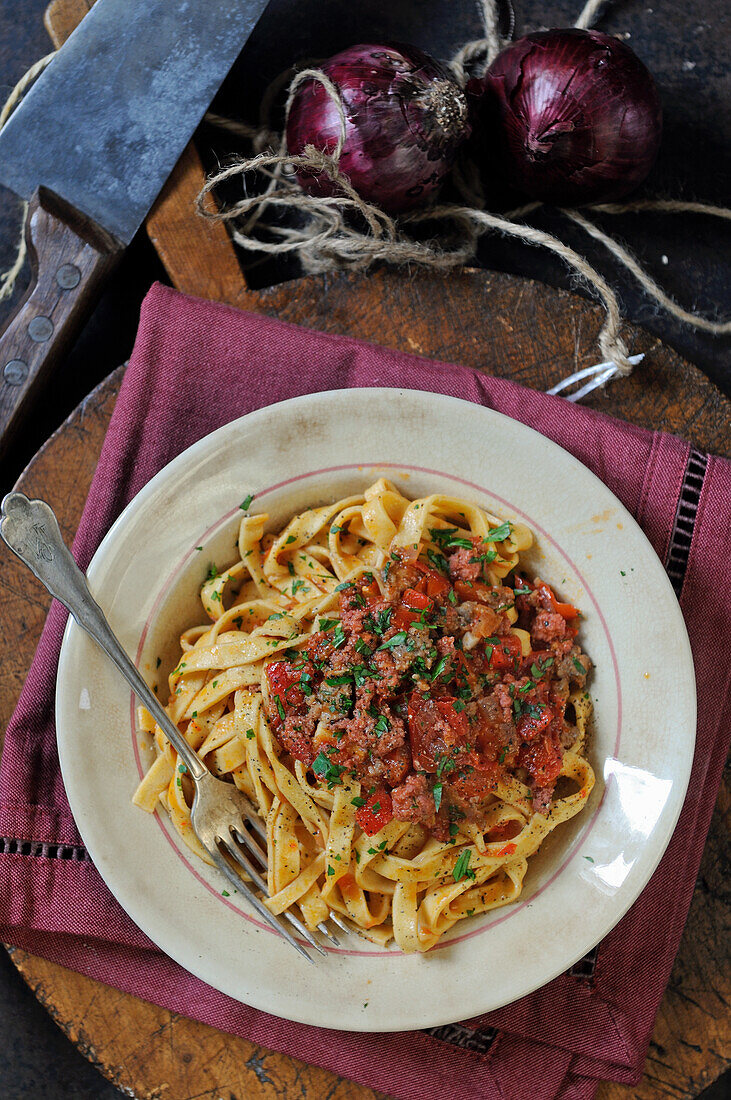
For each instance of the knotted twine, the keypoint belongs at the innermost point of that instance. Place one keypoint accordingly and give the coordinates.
(345, 231)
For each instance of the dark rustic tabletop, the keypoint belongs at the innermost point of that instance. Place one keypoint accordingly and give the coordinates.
(686, 48)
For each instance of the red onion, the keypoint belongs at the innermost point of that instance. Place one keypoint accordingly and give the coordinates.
(405, 117)
(572, 116)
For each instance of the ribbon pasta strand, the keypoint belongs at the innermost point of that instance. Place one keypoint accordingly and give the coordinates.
(398, 880)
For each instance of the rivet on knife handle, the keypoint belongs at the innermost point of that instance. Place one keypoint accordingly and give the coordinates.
(70, 257)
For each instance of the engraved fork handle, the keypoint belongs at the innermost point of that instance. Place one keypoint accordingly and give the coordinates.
(30, 529)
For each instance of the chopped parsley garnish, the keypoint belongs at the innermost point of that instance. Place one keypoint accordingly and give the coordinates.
(296, 585)
(276, 615)
(590, 858)
(249, 734)
(452, 596)
(382, 621)
(531, 710)
(579, 667)
(398, 639)
(336, 681)
(290, 568)
(280, 707)
(381, 725)
(338, 636)
(212, 572)
(537, 670)
(358, 801)
(326, 770)
(438, 561)
(488, 556)
(343, 585)
(445, 765)
(439, 668)
(522, 591)
(499, 533)
(328, 624)
(246, 502)
(503, 754)
(437, 792)
(462, 866)
(445, 537)
(291, 539)
(459, 705)
(363, 673)
(363, 647)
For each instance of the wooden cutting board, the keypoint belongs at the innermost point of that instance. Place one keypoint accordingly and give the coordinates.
(505, 326)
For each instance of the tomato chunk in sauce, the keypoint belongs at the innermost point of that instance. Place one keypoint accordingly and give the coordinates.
(406, 692)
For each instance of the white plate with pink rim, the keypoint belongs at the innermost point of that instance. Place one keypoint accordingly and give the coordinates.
(311, 450)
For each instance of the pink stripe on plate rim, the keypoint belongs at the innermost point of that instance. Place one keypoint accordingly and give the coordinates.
(168, 832)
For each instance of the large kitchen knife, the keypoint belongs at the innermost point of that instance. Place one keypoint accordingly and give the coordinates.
(90, 147)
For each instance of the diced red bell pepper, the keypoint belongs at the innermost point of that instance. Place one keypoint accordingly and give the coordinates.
(416, 603)
(542, 758)
(376, 813)
(530, 726)
(283, 681)
(565, 610)
(506, 652)
(433, 583)
(475, 786)
(427, 741)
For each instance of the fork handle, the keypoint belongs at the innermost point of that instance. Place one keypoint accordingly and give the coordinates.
(30, 529)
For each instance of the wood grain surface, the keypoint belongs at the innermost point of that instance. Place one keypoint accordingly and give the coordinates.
(505, 326)
(154, 1053)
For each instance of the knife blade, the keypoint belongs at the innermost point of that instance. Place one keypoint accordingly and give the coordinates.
(90, 148)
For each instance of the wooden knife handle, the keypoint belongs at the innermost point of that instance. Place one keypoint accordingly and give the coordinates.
(70, 258)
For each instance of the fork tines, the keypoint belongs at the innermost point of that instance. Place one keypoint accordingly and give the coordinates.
(244, 849)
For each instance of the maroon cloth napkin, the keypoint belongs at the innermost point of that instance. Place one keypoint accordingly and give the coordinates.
(197, 365)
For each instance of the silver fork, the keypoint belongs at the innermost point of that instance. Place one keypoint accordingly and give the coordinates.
(223, 819)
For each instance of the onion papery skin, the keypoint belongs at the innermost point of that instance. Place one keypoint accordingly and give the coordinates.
(569, 117)
(405, 118)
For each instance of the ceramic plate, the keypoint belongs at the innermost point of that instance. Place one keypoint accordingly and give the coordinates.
(311, 450)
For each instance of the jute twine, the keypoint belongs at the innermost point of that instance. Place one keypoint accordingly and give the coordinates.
(347, 232)
(9, 277)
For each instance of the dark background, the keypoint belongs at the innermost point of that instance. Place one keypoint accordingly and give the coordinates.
(684, 45)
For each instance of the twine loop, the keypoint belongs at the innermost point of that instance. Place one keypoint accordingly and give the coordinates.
(346, 231)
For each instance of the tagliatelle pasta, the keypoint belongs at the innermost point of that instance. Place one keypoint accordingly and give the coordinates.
(404, 707)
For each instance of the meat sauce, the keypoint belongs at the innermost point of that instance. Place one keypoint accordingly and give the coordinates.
(420, 691)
